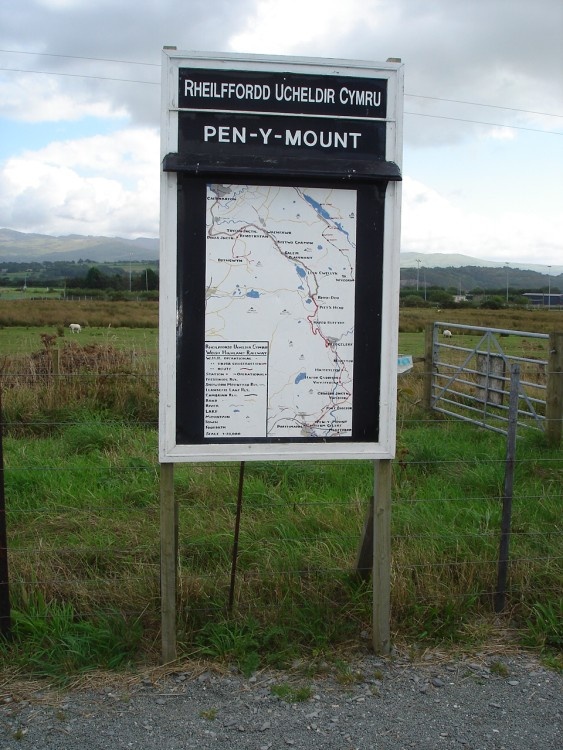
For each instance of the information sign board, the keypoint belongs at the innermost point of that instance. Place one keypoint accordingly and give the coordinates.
(279, 261)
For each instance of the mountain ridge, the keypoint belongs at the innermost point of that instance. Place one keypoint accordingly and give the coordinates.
(23, 247)
(457, 260)
(27, 247)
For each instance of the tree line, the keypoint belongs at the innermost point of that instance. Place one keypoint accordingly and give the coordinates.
(81, 275)
(119, 281)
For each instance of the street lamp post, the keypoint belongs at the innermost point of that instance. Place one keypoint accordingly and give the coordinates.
(549, 288)
(507, 270)
(418, 262)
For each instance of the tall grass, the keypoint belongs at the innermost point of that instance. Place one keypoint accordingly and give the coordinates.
(517, 319)
(144, 314)
(51, 641)
(83, 535)
(83, 507)
(57, 384)
(38, 313)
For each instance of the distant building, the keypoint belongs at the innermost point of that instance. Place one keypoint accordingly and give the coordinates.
(543, 299)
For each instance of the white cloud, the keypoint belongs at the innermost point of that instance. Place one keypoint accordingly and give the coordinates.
(100, 185)
(284, 28)
(39, 98)
(76, 35)
(479, 189)
(499, 134)
(432, 222)
(61, 4)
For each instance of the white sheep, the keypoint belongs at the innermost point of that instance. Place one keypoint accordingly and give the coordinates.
(447, 334)
(75, 327)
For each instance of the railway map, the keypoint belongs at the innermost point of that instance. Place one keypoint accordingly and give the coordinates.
(279, 316)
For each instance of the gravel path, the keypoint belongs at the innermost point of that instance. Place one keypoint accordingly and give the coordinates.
(512, 703)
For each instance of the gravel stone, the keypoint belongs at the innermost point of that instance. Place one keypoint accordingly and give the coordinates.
(411, 708)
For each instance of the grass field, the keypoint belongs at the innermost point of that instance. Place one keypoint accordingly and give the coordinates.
(517, 319)
(83, 515)
(83, 535)
(57, 314)
(27, 339)
(28, 294)
(123, 323)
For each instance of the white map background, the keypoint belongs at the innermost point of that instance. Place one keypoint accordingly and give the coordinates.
(280, 276)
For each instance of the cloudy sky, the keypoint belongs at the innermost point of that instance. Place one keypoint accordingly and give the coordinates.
(483, 148)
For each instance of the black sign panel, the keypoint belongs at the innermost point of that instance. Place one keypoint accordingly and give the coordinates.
(196, 393)
(283, 93)
(221, 133)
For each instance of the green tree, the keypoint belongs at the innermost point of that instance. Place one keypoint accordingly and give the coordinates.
(493, 303)
(441, 297)
(147, 281)
(413, 300)
(95, 279)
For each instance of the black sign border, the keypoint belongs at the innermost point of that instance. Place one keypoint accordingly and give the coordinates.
(190, 333)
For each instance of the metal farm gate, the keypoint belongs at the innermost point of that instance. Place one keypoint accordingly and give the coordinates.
(470, 375)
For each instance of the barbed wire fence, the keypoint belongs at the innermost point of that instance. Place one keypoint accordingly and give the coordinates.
(84, 528)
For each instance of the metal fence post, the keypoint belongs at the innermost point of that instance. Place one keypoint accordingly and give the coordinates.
(502, 576)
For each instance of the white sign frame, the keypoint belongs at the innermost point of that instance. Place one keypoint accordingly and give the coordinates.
(169, 450)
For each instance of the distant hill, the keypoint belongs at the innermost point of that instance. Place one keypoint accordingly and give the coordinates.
(459, 272)
(455, 260)
(464, 273)
(23, 247)
(466, 278)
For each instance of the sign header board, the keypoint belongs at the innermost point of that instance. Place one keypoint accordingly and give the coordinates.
(279, 261)
(282, 93)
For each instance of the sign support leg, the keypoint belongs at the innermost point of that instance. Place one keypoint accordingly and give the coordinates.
(168, 563)
(236, 538)
(382, 557)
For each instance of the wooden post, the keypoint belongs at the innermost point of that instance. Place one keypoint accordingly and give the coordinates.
(382, 557)
(554, 395)
(491, 379)
(428, 364)
(168, 563)
(5, 610)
